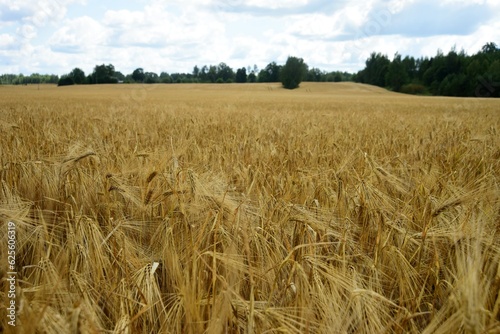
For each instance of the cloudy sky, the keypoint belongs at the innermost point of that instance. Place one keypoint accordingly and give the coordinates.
(54, 36)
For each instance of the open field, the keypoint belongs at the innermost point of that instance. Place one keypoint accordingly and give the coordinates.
(334, 208)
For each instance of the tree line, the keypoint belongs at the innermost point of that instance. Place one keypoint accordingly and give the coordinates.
(35, 78)
(451, 74)
(294, 71)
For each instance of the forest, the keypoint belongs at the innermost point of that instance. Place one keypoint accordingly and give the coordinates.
(453, 74)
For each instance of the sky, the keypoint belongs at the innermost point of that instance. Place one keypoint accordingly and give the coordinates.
(55, 36)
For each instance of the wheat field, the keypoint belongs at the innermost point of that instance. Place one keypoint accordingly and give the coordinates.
(334, 208)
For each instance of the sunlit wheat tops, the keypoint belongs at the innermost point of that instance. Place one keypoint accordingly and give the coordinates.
(335, 208)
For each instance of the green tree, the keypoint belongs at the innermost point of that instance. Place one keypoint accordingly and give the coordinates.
(165, 77)
(436, 72)
(314, 75)
(77, 75)
(176, 77)
(241, 75)
(19, 80)
(375, 70)
(271, 73)
(294, 71)
(490, 52)
(151, 77)
(103, 74)
(410, 66)
(421, 65)
(453, 85)
(489, 84)
(203, 75)
(196, 71)
(263, 76)
(494, 72)
(65, 80)
(474, 71)
(35, 78)
(396, 75)
(252, 77)
(212, 73)
(225, 72)
(138, 75)
(119, 76)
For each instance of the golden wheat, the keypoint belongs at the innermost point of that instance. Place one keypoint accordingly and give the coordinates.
(334, 208)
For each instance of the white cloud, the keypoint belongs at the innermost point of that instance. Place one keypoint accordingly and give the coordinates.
(158, 38)
(124, 18)
(321, 26)
(16, 6)
(79, 35)
(276, 4)
(7, 42)
(158, 24)
(175, 35)
(36, 12)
